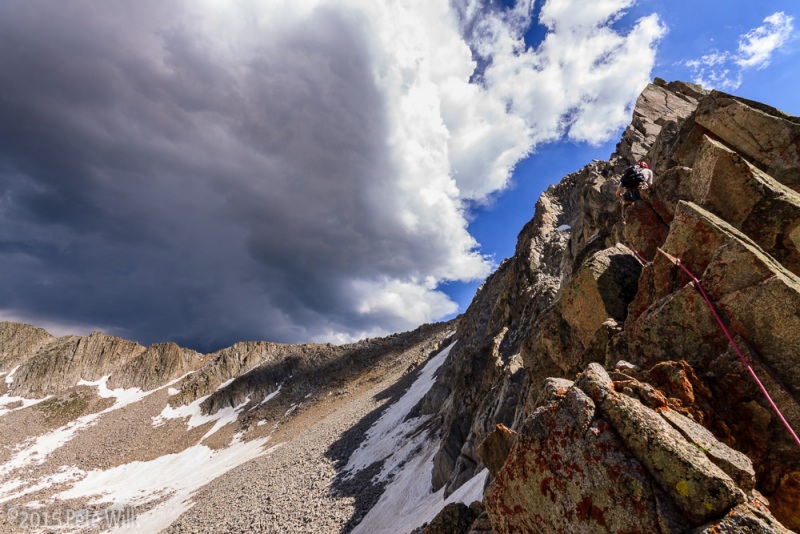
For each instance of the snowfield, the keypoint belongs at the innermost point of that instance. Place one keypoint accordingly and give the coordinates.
(289, 488)
(408, 500)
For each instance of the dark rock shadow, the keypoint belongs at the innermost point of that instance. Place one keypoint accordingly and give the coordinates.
(618, 284)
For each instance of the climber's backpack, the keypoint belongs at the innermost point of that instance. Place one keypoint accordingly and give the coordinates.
(632, 178)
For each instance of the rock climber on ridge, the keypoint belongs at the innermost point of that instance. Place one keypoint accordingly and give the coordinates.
(632, 179)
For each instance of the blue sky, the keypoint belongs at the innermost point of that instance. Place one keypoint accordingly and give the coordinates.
(318, 170)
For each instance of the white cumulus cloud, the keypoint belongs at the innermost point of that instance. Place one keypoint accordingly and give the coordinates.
(581, 79)
(725, 69)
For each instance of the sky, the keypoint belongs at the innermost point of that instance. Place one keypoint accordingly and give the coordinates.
(212, 171)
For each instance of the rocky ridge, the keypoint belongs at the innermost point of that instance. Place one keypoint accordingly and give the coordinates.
(573, 219)
(663, 426)
(169, 421)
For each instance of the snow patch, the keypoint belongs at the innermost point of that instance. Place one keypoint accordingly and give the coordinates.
(36, 450)
(226, 383)
(170, 390)
(8, 491)
(10, 378)
(563, 227)
(123, 397)
(407, 454)
(388, 439)
(196, 416)
(176, 476)
(409, 501)
(269, 397)
(7, 399)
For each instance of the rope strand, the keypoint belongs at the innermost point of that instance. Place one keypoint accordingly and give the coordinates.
(775, 408)
(641, 258)
(724, 329)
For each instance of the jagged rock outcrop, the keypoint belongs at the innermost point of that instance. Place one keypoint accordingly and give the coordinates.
(301, 370)
(725, 183)
(455, 517)
(497, 323)
(759, 298)
(761, 133)
(249, 371)
(660, 104)
(569, 471)
(682, 420)
(577, 328)
(482, 382)
(18, 341)
(591, 459)
(225, 365)
(494, 450)
(49, 365)
(45, 365)
(63, 362)
(158, 364)
(256, 369)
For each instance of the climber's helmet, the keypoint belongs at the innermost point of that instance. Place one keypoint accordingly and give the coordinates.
(642, 164)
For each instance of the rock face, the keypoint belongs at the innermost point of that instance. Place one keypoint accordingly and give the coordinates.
(570, 472)
(61, 363)
(577, 328)
(494, 450)
(592, 459)
(663, 430)
(659, 105)
(768, 137)
(784, 505)
(455, 517)
(18, 341)
(299, 370)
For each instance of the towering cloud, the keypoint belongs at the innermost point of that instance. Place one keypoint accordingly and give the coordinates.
(291, 170)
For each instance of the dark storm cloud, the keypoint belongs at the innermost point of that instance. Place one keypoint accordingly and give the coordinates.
(162, 187)
(208, 171)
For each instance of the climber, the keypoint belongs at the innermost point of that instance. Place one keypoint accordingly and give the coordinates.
(635, 177)
(646, 173)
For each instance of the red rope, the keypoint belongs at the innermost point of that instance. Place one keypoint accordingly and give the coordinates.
(736, 348)
(641, 258)
(699, 286)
